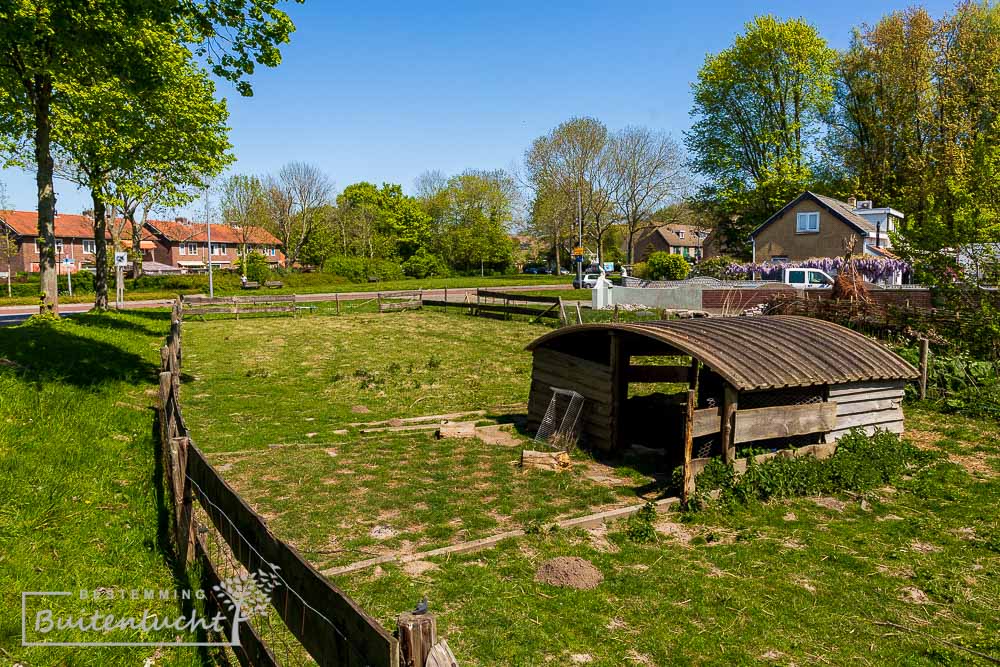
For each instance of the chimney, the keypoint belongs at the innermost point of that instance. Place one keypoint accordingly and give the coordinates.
(183, 221)
(852, 201)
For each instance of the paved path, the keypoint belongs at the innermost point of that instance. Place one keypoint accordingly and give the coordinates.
(16, 314)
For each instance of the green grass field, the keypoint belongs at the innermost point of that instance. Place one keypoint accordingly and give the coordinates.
(309, 283)
(890, 577)
(79, 507)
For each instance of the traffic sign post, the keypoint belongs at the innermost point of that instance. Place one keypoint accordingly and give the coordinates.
(68, 263)
(121, 261)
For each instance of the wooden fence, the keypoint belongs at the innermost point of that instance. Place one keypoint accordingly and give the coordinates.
(318, 618)
(237, 305)
(504, 304)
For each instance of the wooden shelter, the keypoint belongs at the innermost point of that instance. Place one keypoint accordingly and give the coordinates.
(704, 386)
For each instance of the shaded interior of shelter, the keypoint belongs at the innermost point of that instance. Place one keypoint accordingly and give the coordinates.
(635, 383)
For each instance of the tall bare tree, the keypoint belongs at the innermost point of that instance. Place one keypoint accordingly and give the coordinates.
(245, 209)
(649, 173)
(297, 200)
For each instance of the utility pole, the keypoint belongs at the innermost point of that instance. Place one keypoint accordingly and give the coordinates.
(208, 226)
(579, 220)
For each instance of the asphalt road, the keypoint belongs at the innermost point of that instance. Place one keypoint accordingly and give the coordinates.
(17, 314)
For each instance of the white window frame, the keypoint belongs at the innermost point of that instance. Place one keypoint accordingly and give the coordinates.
(89, 246)
(189, 248)
(807, 222)
(218, 249)
(680, 233)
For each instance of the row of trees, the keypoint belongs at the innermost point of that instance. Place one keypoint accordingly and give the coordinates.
(907, 116)
(456, 224)
(580, 173)
(117, 98)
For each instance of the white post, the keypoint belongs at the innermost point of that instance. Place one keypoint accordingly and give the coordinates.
(211, 286)
(119, 289)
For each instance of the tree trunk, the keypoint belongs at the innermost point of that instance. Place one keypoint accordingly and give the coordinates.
(46, 197)
(100, 252)
(137, 244)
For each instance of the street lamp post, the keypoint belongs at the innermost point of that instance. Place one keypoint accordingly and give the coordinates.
(579, 220)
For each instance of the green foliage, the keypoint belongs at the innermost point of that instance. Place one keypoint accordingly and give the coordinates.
(639, 527)
(640, 270)
(758, 107)
(714, 267)
(360, 269)
(254, 266)
(958, 382)
(861, 463)
(667, 266)
(383, 219)
(424, 264)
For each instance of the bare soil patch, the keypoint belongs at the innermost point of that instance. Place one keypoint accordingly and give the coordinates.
(569, 571)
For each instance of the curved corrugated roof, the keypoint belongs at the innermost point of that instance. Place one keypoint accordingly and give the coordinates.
(764, 352)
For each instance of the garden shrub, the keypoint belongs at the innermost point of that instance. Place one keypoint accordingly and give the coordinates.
(254, 266)
(958, 383)
(716, 267)
(640, 270)
(667, 266)
(359, 269)
(424, 264)
(861, 463)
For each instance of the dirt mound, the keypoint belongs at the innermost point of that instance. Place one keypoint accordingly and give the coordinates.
(569, 571)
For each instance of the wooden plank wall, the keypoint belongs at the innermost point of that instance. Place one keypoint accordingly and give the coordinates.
(867, 405)
(590, 379)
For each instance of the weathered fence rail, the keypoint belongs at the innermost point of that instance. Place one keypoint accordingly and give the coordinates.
(505, 304)
(199, 306)
(326, 624)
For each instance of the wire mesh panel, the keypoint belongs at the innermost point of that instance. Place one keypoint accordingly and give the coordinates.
(559, 425)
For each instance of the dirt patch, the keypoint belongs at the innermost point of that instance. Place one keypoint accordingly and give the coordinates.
(416, 568)
(498, 434)
(382, 532)
(674, 530)
(790, 516)
(599, 540)
(975, 464)
(569, 571)
(581, 658)
(360, 409)
(830, 503)
(638, 658)
(915, 595)
(924, 547)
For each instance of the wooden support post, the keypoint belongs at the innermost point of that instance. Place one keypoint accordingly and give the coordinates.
(562, 313)
(924, 358)
(336, 298)
(379, 297)
(183, 507)
(615, 317)
(692, 399)
(619, 387)
(417, 634)
(164, 400)
(728, 430)
(579, 315)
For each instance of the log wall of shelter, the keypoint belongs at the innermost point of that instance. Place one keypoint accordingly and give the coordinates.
(867, 405)
(590, 379)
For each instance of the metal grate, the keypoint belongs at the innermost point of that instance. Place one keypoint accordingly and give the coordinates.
(559, 426)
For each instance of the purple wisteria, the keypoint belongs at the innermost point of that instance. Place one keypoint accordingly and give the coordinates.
(874, 269)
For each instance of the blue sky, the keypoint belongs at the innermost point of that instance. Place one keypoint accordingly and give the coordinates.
(386, 91)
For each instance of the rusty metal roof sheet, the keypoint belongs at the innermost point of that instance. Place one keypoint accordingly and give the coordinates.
(768, 352)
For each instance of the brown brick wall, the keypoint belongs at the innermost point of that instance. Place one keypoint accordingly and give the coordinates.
(779, 239)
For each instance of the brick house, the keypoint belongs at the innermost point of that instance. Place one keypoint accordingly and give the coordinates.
(676, 239)
(74, 241)
(184, 244)
(814, 225)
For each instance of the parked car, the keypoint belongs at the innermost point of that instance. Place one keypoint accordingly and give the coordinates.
(589, 281)
(535, 270)
(807, 278)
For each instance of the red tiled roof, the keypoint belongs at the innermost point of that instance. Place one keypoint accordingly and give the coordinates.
(25, 223)
(194, 231)
(68, 226)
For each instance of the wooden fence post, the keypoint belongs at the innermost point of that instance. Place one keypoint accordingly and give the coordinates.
(562, 313)
(181, 494)
(924, 354)
(336, 298)
(417, 634)
(579, 315)
(692, 400)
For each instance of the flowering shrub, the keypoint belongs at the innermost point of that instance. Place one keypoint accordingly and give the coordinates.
(874, 269)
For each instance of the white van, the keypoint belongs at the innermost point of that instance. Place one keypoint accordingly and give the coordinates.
(807, 278)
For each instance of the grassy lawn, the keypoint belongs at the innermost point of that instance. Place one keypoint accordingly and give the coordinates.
(566, 294)
(884, 578)
(312, 283)
(310, 376)
(792, 582)
(78, 502)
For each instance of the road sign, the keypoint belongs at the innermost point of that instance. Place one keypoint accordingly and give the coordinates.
(578, 251)
(609, 267)
(67, 260)
(121, 260)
